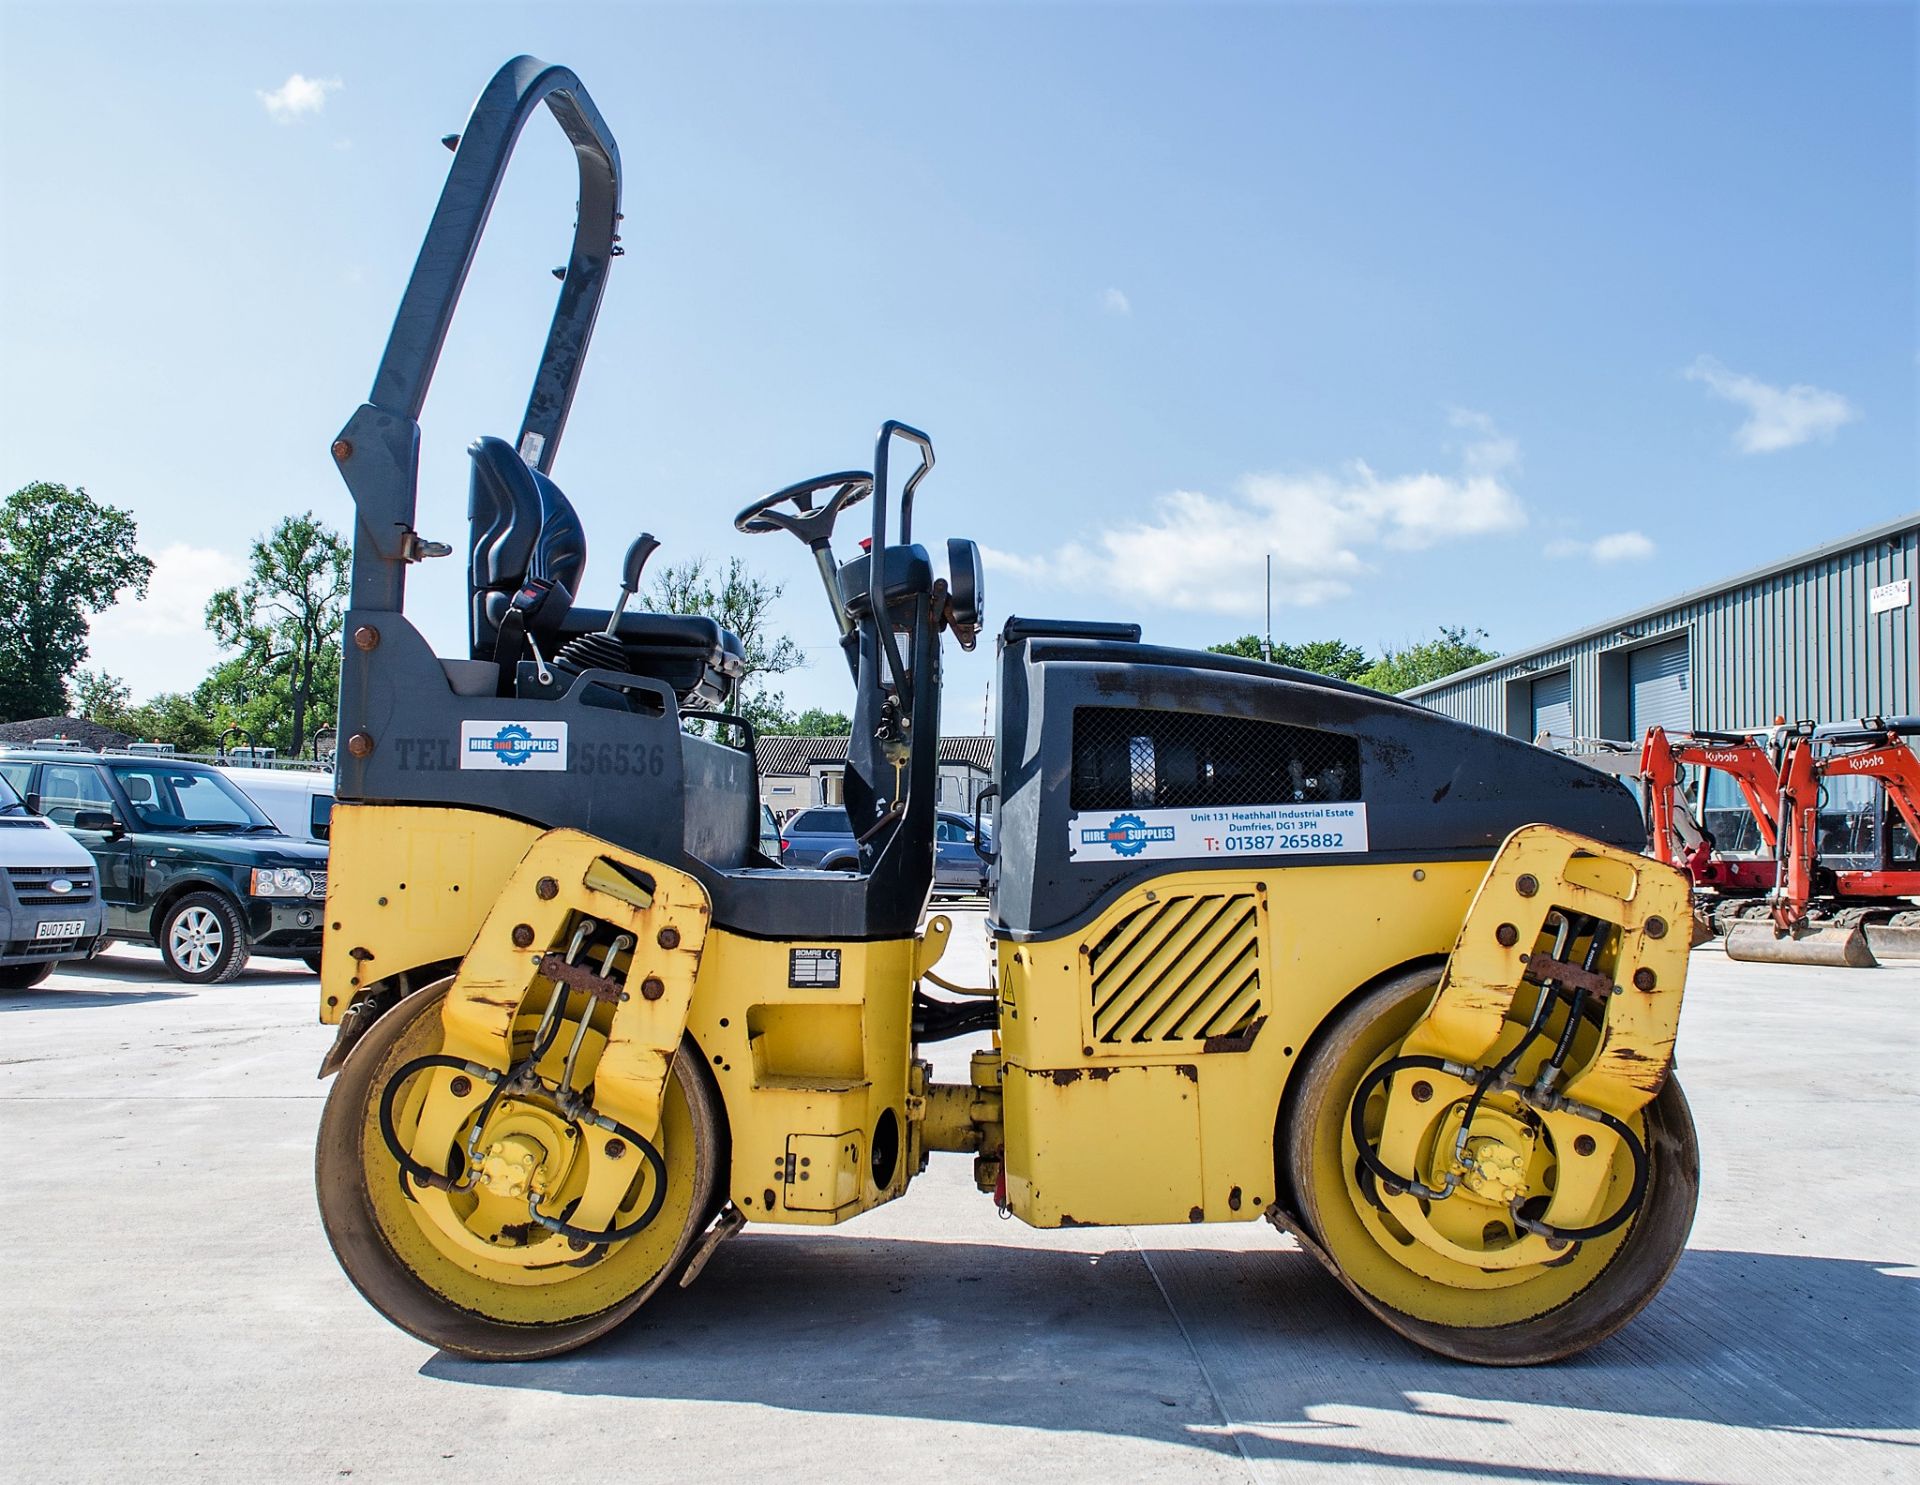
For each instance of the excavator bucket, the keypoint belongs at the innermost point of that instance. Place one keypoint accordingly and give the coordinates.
(1832, 947)
(1893, 940)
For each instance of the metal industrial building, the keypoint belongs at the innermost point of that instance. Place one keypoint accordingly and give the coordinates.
(1827, 635)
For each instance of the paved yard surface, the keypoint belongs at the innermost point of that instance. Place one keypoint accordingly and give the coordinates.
(171, 1309)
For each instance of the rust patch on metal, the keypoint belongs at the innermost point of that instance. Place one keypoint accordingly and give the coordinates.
(546, 889)
(1540, 969)
(506, 1004)
(1187, 1070)
(1066, 1221)
(579, 977)
(1197, 1215)
(523, 935)
(1065, 1075)
(669, 937)
(1240, 1043)
(653, 987)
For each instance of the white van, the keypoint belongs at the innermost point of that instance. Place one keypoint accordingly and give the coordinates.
(50, 903)
(298, 800)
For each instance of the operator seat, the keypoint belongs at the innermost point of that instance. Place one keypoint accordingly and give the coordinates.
(524, 527)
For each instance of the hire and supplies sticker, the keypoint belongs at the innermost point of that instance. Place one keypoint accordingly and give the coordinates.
(1243, 830)
(525, 747)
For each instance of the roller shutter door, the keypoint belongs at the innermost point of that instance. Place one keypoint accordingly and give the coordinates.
(1662, 687)
(1553, 705)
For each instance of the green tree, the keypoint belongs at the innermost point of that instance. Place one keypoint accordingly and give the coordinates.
(743, 603)
(1414, 665)
(1334, 657)
(63, 556)
(100, 697)
(174, 718)
(817, 722)
(284, 621)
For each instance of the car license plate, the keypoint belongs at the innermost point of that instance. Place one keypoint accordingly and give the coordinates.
(70, 928)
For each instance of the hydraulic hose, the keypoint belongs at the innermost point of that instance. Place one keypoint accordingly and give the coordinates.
(656, 1163)
(1636, 1193)
(1491, 1078)
(941, 1020)
(390, 1135)
(1369, 1156)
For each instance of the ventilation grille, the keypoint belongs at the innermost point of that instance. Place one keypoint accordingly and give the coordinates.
(1180, 971)
(33, 885)
(1132, 758)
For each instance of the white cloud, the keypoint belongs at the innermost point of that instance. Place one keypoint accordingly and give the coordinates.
(298, 95)
(1615, 546)
(1777, 417)
(1114, 302)
(160, 643)
(1207, 552)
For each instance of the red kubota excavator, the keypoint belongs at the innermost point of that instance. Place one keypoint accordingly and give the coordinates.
(1736, 881)
(1846, 866)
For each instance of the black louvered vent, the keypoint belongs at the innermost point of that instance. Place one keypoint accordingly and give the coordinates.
(1185, 969)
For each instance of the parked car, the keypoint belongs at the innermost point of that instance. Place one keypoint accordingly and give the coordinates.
(185, 861)
(50, 907)
(822, 837)
(298, 800)
(771, 845)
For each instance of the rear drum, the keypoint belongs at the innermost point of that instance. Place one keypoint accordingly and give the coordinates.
(439, 1289)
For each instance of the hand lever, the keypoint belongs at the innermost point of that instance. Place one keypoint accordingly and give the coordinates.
(644, 546)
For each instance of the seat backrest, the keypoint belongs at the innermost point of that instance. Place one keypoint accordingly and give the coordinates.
(522, 527)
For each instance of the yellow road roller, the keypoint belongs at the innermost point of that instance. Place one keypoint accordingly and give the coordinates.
(1265, 946)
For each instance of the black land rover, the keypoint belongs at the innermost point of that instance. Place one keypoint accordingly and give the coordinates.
(186, 861)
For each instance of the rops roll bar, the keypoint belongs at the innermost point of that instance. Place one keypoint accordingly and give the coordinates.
(378, 450)
(876, 565)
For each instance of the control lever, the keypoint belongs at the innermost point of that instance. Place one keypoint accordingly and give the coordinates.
(601, 649)
(644, 546)
(542, 605)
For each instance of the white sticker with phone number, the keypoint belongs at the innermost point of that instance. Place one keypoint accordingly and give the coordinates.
(1243, 830)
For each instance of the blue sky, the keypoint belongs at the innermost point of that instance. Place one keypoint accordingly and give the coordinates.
(1505, 316)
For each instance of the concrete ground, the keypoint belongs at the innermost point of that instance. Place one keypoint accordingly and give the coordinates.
(172, 1311)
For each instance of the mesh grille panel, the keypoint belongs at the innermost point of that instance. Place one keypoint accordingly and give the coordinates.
(1182, 970)
(1127, 758)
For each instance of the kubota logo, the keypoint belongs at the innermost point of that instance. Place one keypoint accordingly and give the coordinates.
(1720, 757)
(1871, 760)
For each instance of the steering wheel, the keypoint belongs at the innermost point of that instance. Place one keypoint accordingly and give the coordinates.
(814, 527)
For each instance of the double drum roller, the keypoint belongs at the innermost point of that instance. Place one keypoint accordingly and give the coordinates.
(1263, 944)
